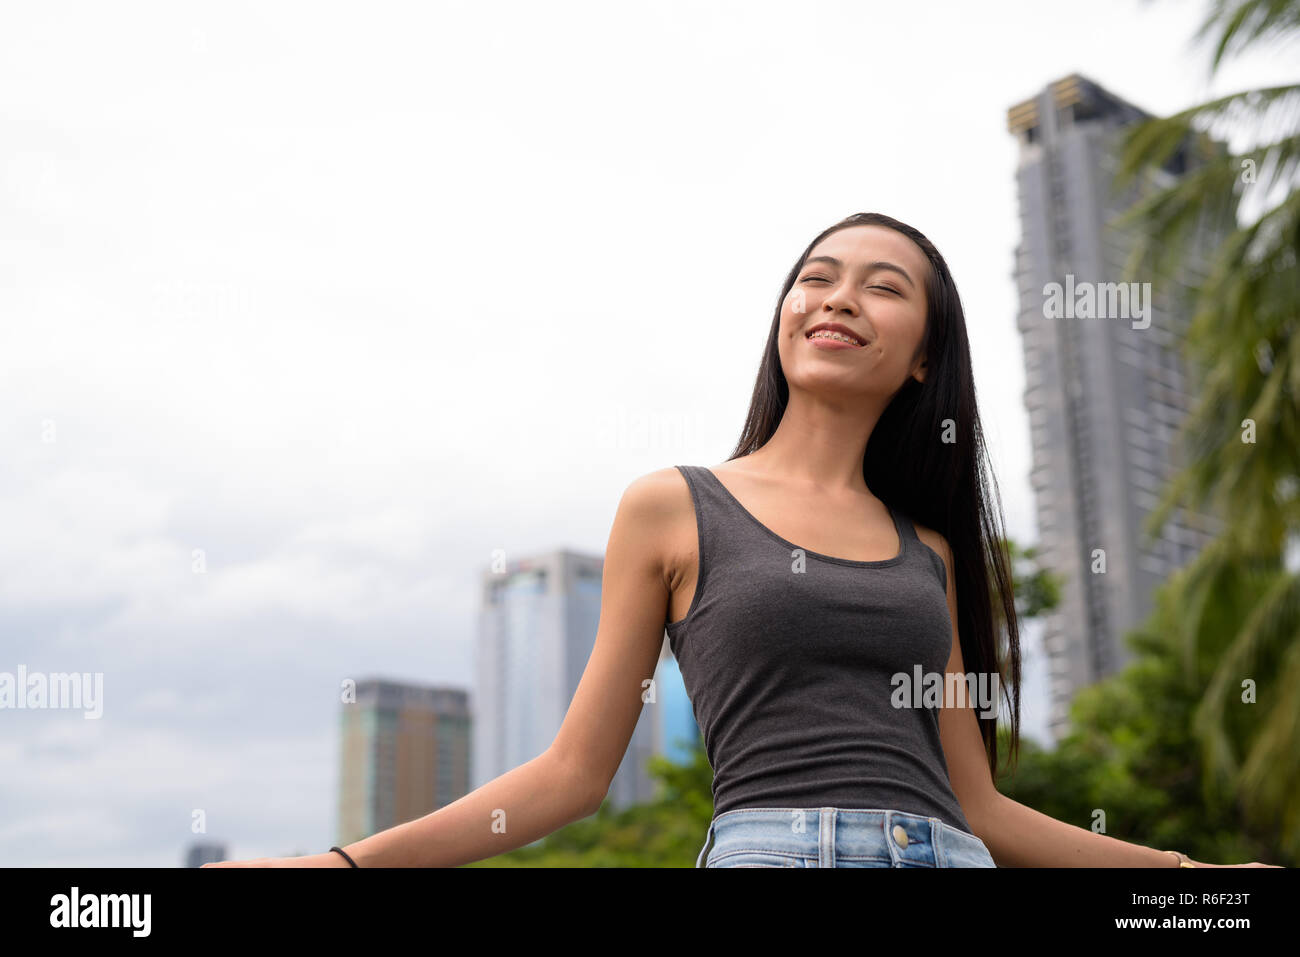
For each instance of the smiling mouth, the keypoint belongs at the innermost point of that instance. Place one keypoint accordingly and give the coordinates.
(835, 337)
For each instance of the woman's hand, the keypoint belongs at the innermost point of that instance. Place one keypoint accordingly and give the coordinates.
(1251, 864)
(328, 859)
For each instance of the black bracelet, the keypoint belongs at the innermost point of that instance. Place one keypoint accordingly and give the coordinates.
(345, 855)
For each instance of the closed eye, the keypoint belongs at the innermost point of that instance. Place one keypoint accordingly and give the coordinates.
(887, 288)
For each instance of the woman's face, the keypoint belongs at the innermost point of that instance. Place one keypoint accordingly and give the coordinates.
(876, 289)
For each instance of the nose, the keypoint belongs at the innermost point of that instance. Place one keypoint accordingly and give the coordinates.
(838, 299)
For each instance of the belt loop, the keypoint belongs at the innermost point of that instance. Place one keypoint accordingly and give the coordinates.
(895, 855)
(826, 837)
(699, 861)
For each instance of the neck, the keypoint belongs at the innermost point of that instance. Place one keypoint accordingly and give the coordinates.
(819, 443)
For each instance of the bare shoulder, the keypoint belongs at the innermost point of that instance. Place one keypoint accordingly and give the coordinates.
(659, 495)
(660, 504)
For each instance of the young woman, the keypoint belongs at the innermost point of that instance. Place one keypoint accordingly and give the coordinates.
(816, 589)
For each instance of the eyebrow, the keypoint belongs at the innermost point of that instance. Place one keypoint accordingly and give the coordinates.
(877, 264)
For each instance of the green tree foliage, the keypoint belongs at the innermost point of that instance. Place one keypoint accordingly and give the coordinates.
(1129, 766)
(1236, 611)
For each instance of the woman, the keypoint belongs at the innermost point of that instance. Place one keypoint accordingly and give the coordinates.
(813, 619)
(845, 440)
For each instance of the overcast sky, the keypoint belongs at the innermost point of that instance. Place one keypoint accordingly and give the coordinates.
(349, 295)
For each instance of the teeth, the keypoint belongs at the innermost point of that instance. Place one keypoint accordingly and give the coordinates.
(826, 334)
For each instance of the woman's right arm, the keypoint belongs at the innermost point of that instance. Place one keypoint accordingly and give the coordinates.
(568, 781)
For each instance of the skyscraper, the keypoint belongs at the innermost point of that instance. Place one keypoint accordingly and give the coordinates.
(1105, 384)
(405, 753)
(677, 716)
(537, 631)
(198, 854)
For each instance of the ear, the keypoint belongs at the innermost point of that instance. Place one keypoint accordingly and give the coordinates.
(918, 373)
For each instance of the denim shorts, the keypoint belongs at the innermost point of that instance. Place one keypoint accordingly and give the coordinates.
(838, 837)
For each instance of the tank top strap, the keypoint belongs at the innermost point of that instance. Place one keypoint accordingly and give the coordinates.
(905, 526)
(723, 524)
(716, 519)
(718, 529)
(924, 553)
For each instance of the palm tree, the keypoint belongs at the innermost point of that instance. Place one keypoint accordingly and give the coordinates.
(1242, 437)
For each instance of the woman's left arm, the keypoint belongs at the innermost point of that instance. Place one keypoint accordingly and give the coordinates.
(1019, 836)
(1016, 835)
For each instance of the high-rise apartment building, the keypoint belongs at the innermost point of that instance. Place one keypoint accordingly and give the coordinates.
(1105, 384)
(537, 631)
(405, 753)
(676, 714)
(198, 854)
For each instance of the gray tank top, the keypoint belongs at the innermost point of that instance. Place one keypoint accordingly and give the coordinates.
(788, 657)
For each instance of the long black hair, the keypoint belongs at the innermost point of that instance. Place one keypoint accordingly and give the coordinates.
(944, 485)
